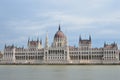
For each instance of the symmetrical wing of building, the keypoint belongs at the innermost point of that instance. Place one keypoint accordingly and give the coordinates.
(61, 53)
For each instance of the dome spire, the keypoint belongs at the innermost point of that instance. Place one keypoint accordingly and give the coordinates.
(59, 28)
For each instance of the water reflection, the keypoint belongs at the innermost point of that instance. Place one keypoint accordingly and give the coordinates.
(59, 72)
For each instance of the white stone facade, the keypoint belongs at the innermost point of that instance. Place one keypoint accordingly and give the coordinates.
(61, 53)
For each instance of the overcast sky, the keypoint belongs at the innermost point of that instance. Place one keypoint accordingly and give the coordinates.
(20, 19)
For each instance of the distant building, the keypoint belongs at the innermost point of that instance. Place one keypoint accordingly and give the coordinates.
(61, 53)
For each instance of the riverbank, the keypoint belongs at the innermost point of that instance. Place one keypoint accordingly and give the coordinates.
(56, 64)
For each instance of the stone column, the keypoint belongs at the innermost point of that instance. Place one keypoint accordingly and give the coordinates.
(14, 55)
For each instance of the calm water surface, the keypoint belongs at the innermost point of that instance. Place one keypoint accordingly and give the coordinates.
(59, 72)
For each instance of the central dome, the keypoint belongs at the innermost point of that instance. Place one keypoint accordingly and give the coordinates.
(59, 34)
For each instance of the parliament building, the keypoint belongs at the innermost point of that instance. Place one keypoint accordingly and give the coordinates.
(60, 52)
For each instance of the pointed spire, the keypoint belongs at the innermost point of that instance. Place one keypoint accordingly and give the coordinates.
(5, 45)
(12, 45)
(37, 39)
(114, 42)
(90, 37)
(59, 28)
(104, 44)
(28, 39)
(46, 40)
(80, 38)
(41, 41)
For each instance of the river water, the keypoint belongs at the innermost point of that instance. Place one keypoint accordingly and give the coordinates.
(59, 72)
